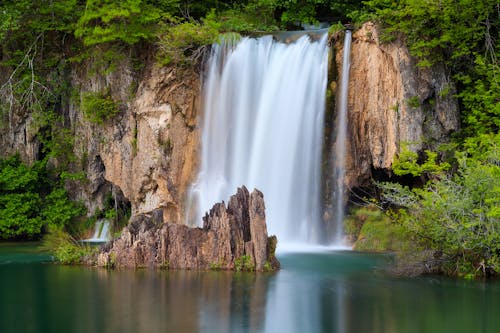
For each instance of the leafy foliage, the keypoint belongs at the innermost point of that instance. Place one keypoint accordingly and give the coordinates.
(457, 217)
(244, 263)
(407, 164)
(372, 230)
(181, 43)
(65, 248)
(29, 200)
(128, 21)
(98, 107)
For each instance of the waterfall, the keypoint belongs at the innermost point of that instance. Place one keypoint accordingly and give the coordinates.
(101, 232)
(341, 130)
(264, 104)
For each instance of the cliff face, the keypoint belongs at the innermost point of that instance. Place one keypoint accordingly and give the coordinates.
(146, 155)
(391, 102)
(149, 151)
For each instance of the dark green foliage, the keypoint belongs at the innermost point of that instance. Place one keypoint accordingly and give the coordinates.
(19, 215)
(438, 30)
(58, 211)
(30, 200)
(98, 107)
(127, 21)
(481, 97)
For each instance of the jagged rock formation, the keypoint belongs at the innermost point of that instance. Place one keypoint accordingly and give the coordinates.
(391, 102)
(232, 237)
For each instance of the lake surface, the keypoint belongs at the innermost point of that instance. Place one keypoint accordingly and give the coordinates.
(314, 292)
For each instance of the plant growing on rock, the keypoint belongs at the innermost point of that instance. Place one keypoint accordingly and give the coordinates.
(98, 107)
(244, 263)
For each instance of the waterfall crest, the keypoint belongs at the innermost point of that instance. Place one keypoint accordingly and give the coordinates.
(264, 104)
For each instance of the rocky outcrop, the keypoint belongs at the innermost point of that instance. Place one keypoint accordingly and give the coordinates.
(232, 238)
(391, 102)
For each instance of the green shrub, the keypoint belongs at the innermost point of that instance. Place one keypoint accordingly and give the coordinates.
(98, 107)
(182, 43)
(65, 248)
(373, 230)
(244, 263)
(406, 163)
(31, 200)
(127, 21)
(457, 217)
(59, 210)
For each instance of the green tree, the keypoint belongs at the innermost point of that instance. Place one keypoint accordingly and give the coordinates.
(127, 21)
(30, 200)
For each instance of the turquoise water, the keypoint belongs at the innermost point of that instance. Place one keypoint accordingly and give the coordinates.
(314, 292)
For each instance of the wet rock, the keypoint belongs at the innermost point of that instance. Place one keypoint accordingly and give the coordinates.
(232, 238)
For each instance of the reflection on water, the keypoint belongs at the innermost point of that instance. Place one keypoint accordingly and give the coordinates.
(315, 292)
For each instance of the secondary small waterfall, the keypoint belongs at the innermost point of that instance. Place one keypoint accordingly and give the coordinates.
(340, 149)
(101, 232)
(264, 104)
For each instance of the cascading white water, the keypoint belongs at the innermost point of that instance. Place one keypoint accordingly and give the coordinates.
(264, 104)
(341, 130)
(101, 232)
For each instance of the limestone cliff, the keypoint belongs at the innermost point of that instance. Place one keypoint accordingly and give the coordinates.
(146, 155)
(232, 238)
(391, 102)
(149, 151)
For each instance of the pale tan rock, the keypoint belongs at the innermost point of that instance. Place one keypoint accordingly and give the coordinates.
(384, 79)
(150, 150)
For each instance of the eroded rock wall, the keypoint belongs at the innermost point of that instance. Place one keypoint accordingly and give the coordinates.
(146, 155)
(392, 102)
(150, 150)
